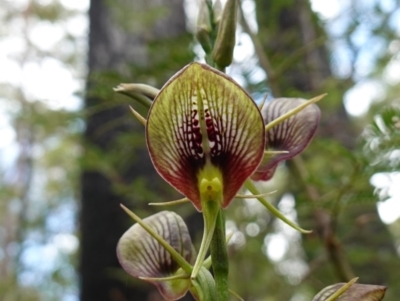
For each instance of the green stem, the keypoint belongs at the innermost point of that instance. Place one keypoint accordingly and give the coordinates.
(210, 212)
(219, 256)
(253, 189)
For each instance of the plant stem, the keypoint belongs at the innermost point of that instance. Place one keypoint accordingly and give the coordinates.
(219, 257)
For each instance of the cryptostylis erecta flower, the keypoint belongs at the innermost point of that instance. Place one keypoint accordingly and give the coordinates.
(205, 135)
(288, 138)
(142, 256)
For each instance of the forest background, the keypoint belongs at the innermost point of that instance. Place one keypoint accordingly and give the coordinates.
(70, 151)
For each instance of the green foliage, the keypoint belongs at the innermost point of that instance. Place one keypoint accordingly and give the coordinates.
(382, 140)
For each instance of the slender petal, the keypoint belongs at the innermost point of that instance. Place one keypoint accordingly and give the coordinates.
(291, 135)
(142, 256)
(204, 132)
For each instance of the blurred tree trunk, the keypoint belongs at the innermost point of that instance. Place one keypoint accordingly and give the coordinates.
(127, 40)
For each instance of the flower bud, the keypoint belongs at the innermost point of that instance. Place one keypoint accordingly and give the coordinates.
(225, 43)
(217, 10)
(204, 27)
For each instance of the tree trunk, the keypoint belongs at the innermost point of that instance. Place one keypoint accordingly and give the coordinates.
(125, 39)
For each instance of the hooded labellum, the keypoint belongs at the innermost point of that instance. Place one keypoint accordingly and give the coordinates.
(357, 292)
(291, 135)
(205, 135)
(141, 255)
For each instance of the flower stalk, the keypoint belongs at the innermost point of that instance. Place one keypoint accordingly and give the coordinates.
(219, 257)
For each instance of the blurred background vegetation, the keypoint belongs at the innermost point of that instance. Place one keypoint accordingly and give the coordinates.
(70, 151)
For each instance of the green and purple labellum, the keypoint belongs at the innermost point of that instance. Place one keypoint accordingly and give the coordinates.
(205, 135)
(141, 255)
(292, 135)
(357, 292)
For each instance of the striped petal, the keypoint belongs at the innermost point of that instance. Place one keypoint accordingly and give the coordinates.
(357, 292)
(292, 135)
(204, 125)
(141, 255)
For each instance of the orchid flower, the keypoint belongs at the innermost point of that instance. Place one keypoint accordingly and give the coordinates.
(288, 138)
(205, 137)
(142, 256)
(291, 123)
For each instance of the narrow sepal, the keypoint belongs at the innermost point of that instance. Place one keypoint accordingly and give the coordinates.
(201, 115)
(139, 117)
(253, 189)
(141, 93)
(141, 255)
(292, 135)
(357, 292)
(142, 89)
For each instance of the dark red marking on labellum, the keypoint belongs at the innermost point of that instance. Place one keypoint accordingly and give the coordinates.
(201, 101)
